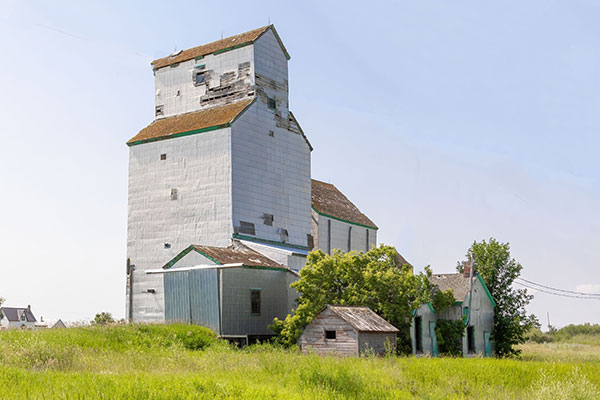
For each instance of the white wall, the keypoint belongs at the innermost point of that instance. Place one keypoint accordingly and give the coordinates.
(199, 167)
(339, 234)
(169, 80)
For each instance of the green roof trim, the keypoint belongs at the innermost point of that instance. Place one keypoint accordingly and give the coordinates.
(237, 46)
(266, 241)
(185, 253)
(176, 135)
(486, 290)
(267, 268)
(430, 307)
(344, 220)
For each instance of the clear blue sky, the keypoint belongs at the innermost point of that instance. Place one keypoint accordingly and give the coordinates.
(445, 122)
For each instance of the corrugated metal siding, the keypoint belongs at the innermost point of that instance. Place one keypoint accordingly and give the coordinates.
(192, 297)
(177, 297)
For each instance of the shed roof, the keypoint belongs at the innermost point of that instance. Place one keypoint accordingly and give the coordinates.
(229, 43)
(14, 313)
(328, 201)
(237, 253)
(363, 319)
(189, 123)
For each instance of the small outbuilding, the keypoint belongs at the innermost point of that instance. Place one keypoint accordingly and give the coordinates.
(348, 331)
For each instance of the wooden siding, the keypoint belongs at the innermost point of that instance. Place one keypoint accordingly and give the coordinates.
(376, 342)
(313, 337)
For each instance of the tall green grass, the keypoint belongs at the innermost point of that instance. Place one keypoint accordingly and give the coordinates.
(187, 362)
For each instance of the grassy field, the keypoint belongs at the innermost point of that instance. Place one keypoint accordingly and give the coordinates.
(186, 362)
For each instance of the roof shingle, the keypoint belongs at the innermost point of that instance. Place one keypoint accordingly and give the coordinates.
(189, 123)
(457, 282)
(363, 319)
(330, 202)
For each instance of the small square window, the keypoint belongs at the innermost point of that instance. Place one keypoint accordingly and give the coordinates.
(163, 157)
(268, 219)
(271, 133)
(255, 301)
(160, 110)
(271, 103)
(330, 335)
(199, 78)
(173, 194)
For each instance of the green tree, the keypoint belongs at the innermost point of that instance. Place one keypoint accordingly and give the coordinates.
(511, 323)
(375, 279)
(103, 318)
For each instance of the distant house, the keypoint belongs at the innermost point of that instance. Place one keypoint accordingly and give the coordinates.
(474, 304)
(13, 318)
(348, 331)
(59, 325)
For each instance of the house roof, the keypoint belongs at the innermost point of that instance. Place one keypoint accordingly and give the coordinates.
(457, 282)
(328, 201)
(363, 319)
(218, 46)
(237, 253)
(14, 314)
(189, 123)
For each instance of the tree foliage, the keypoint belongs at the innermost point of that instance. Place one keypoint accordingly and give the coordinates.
(449, 336)
(511, 323)
(374, 279)
(103, 318)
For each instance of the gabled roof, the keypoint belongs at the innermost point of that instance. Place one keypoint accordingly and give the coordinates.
(14, 314)
(459, 285)
(219, 46)
(328, 201)
(237, 253)
(363, 319)
(191, 123)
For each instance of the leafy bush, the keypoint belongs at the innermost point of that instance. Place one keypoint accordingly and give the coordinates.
(449, 336)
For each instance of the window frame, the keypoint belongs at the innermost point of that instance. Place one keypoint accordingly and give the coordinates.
(255, 302)
(328, 335)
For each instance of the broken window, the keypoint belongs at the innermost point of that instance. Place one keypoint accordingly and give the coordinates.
(310, 242)
(271, 133)
(173, 194)
(271, 103)
(255, 301)
(283, 234)
(268, 219)
(247, 228)
(160, 110)
(163, 157)
(330, 334)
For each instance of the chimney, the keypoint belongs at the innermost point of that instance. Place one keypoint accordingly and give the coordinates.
(467, 269)
(29, 308)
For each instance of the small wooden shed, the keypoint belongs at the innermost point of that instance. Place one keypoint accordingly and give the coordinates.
(348, 331)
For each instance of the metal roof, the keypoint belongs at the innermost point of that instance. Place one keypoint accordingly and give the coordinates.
(363, 319)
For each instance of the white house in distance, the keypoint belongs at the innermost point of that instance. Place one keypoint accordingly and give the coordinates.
(225, 159)
(17, 318)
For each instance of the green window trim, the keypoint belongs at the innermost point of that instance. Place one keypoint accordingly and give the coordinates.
(430, 307)
(344, 220)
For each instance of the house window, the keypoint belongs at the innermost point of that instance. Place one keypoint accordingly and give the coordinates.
(163, 157)
(255, 301)
(160, 110)
(247, 228)
(271, 103)
(23, 316)
(471, 339)
(173, 194)
(330, 334)
(268, 219)
(419, 335)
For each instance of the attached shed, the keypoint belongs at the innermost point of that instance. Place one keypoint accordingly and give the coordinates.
(348, 331)
(234, 290)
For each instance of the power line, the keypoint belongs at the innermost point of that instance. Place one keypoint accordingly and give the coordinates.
(559, 290)
(586, 296)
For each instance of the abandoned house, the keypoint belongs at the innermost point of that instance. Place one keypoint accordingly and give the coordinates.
(348, 331)
(17, 318)
(225, 164)
(473, 304)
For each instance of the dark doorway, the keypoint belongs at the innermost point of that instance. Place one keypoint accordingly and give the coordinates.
(471, 340)
(418, 335)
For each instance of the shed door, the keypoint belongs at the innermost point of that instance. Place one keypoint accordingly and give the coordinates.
(434, 343)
